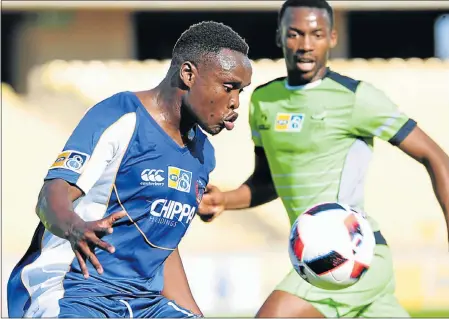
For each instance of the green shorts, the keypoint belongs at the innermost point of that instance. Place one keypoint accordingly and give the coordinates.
(373, 296)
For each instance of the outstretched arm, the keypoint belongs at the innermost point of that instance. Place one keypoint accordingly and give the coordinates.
(375, 115)
(258, 188)
(423, 149)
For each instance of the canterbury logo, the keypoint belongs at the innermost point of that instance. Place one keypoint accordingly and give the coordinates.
(152, 177)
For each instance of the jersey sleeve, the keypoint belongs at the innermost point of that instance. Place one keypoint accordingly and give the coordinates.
(375, 115)
(253, 115)
(101, 136)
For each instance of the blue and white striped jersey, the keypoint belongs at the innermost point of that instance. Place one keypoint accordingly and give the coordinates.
(122, 160)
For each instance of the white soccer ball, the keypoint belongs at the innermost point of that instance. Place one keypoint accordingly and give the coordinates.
(331, 245)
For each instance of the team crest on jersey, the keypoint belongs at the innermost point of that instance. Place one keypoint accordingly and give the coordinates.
(263, 122)
(199, 190)
(179, 179)
(71, 160)
(289, 122)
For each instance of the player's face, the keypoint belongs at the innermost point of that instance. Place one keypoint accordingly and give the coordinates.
(306, 37)
(214, 90)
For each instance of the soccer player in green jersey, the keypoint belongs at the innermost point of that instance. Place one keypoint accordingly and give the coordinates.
(313, 133)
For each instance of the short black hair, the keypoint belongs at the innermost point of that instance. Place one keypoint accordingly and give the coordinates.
(317, 4)
(204, 38)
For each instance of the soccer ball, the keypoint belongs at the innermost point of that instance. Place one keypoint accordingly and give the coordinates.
(331, 245)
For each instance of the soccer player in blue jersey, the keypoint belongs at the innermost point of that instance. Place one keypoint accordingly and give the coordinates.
(120, 196)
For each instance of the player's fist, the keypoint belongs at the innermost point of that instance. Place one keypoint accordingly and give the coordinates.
(84, 237)
(212, 204)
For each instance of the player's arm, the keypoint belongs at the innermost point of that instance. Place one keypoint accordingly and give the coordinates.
(54, 206)
(97, 140)
(375, 115)
(422, 148)
(176, 286)
(257, 190)
(55, 210)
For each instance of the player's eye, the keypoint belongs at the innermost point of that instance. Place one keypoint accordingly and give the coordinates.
(228, 88)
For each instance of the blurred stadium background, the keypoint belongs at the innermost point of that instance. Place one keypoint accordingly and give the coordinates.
(61, 57)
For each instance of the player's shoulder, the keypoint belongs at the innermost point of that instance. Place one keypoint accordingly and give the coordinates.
(358, 87)
(116, 104)
(268, 88)
(112, 109)
(368, 91)
(342, 81)
(115, 113)
(361, 89)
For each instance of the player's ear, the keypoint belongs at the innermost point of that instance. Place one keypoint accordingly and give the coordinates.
(278, 38)
(187, 73)
(334, 38)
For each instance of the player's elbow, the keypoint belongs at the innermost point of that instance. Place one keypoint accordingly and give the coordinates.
(436, 161)
(437, 166)
(49, 188)
(262, 193)
(41, 200)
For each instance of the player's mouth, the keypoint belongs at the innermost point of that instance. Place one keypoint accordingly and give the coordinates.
(305, 64)
(228, 122)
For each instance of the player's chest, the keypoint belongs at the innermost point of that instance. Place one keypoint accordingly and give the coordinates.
(160, 188)
(155, 171)
(300, 126)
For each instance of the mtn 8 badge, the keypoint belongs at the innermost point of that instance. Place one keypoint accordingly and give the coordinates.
(179, 179)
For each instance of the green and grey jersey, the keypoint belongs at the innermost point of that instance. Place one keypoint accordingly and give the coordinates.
(318, 138)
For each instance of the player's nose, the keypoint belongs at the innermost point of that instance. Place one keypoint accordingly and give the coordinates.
(306, 44)
(234, 103)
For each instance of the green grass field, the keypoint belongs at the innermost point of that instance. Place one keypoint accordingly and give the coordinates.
(430, 314)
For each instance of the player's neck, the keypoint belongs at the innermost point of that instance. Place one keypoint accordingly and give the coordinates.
(294, 78)
(164, 103)
(172, 102)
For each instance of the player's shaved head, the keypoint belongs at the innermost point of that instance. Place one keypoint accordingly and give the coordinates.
(315, 4)
(206, 39)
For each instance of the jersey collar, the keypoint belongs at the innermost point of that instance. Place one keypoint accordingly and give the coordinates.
(307, 86)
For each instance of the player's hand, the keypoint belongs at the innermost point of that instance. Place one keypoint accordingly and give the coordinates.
(212, 204)
(85, 237)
